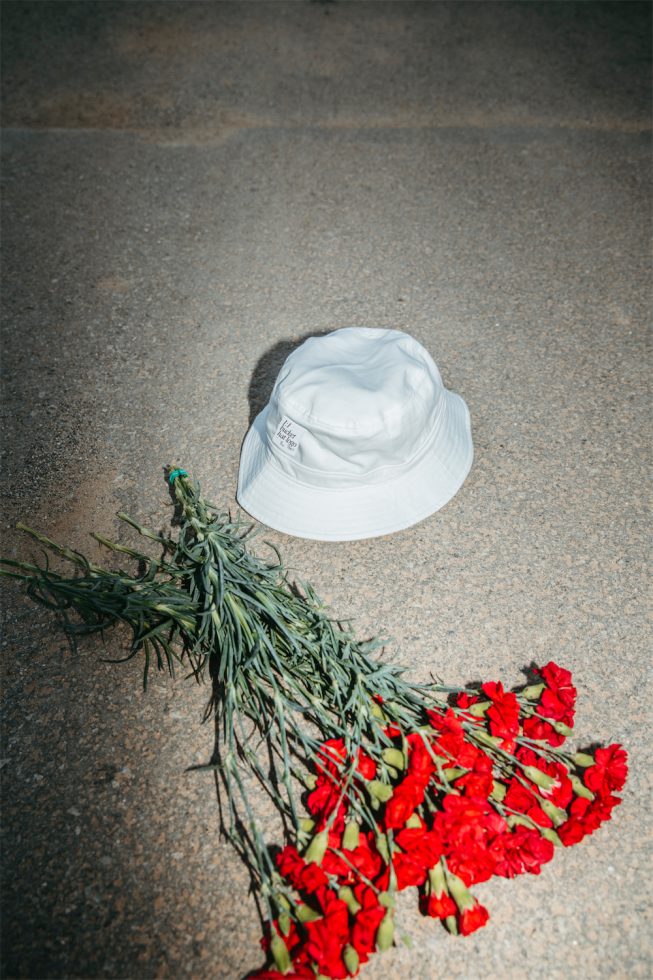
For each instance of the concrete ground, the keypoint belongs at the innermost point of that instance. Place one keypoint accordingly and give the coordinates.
(189, 189)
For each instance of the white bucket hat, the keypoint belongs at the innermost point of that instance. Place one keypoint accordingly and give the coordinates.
(360, 438)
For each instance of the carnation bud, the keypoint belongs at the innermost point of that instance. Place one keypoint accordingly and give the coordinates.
(460, 892)
(392, 772)
(561, 728)
(454, 772)
(580, 789)
(380, 791)
(346, 895)
(350, 836)
(386, 900)
(553, 812)
(382, 847)
(413, 822)
(306, 824)
(385, 933)
(487, 739)
(436, 880)
(499, 791)
(351, 959)
(306, 914)
(451, 924)
(548, 833)
(583, 760)
(533, 691)
(317, 848)
(517, 820)
(280, 953)
(284, 923)
(377, 713)
(394, 757)
(478, 709)
(282, 902)
(538, 777)
(310, 780)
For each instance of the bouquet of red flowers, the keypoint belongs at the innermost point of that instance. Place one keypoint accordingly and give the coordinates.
(406, 784)
(484, 788)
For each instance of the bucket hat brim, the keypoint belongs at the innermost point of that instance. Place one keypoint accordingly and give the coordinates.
(268, 494)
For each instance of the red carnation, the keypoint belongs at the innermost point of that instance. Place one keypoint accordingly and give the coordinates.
(558, 681)
(561, 792)
(366, 765)
(331, 754)
(503, 713)
(471, 915)
(479, 781)
(451, 742)
(585, 816)
(293, 943)
(290, 863)
(401, 805)
(366, 860)
(308, 878)
(420, 762)
(609, 771)
(524, 801)
(419, 850)
(326, 938)
(601, 809)
(540, 730)
(559, 697)
(322, 801)
(451, 737)
(331, 864)
(472, 919)
(473, 863)
(438, 906)
(464, 817)
(521, 851)
(592, 813)
(408, 871)
(571, 832)
(467, 827)
(366, 922)
(466, 700)
(469, 755)
(424, 846)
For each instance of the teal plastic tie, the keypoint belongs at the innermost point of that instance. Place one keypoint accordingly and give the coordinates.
(175, 473)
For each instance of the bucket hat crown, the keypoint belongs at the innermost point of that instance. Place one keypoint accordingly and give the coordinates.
(360, 438)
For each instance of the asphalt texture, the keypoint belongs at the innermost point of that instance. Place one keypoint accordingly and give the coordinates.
(189, 190)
